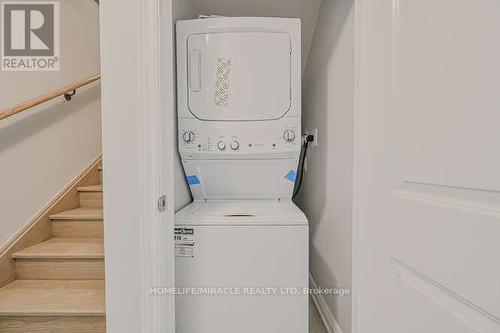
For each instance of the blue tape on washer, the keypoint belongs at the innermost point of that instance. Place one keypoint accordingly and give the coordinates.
(291, 176)
(192, 180)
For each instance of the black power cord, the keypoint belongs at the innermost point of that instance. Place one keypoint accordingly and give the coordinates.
(308, 138)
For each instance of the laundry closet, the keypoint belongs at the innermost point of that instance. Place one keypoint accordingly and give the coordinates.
(361, 162)
(241, 160)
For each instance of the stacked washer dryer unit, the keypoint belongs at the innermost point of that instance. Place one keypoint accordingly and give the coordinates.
(239, 111)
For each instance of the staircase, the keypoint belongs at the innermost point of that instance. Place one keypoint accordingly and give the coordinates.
(59, 284)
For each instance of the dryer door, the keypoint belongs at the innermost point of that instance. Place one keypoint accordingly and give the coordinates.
(239, 76)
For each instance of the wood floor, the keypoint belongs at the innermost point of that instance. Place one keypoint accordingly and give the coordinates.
(315, 321)
(59, 284)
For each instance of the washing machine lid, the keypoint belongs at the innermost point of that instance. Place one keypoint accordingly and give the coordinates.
(241, 213)
(239, 76)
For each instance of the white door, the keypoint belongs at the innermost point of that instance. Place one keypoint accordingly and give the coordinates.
(427, 167)
(138, 154)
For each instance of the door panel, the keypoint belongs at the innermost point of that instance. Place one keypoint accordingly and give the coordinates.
(239, 75)
(421, 299)
(449, 88)
(427, 180)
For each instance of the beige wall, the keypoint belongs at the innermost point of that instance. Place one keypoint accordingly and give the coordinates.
(46, 147)
(326, 196)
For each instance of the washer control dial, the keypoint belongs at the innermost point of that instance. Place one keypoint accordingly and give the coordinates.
(289, 135)
(188, 136)
(235, 145)
(221, 145)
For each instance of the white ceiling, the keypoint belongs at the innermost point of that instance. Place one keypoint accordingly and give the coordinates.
(306, 10)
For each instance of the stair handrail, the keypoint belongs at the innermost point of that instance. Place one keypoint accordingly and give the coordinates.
(65, 91)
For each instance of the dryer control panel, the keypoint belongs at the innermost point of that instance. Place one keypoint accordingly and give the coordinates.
(228, 140)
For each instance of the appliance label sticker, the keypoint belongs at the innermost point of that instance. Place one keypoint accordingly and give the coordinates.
(184, 242)
(192, 180)
(291, 175)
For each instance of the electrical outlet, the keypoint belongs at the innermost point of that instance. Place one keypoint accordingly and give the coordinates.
(314, 133)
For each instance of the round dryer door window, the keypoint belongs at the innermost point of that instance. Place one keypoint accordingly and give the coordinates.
(239, 76)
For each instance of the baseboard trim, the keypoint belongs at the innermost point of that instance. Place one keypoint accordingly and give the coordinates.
(38, 228)
(324, 311)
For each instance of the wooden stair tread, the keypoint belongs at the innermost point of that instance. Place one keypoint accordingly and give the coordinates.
(53, 298)
(79, 214)
(64, 248)
(90, 188)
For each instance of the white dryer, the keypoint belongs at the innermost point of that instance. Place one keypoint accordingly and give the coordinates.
(239, 112)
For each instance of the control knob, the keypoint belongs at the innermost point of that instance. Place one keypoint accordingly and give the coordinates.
(221, 145)
(289, 135)
(235, 145)
(188, 136)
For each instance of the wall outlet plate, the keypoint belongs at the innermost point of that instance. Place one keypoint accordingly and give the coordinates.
(313, 132)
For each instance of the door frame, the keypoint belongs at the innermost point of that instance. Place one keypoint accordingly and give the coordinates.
(138, 151)
(356, 169)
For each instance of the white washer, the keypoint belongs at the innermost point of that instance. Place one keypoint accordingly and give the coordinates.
(239, 139)
(263, 245)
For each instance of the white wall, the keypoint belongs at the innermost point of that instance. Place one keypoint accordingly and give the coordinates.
(137, 112)
(306, 10)
(182, 10)
(326, 196)
(42, 150)
(121, 144)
